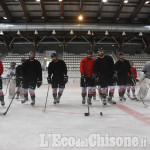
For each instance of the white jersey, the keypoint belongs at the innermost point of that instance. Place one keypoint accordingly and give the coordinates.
(11, 72)
(146, 69)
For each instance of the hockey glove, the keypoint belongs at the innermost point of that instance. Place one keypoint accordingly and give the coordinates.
(49, 80)
(93, 76)
(20, 79)
(115, 77)
(83, 76)
(131, 76)
(39, 83)
(144, 72)
(65, 79)
(8, 76)
(97, 80)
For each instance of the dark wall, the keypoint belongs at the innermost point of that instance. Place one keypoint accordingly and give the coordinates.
(57, 47)
(22, 48)
(132, 49)
(72, 48)
(77, 48)
(105, 47)
(3, 49)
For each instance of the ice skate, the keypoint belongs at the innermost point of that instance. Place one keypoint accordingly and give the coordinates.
(111, 101)
(55, 100)
(25, 99)
(58, 99)
(33, 102)
(124, 98)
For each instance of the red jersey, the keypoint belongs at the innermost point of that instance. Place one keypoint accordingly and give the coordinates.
(87, 66)
(1, 68)
(133, 72)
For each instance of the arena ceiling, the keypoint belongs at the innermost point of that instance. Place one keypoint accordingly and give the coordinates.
(116, 12)
(112, 11)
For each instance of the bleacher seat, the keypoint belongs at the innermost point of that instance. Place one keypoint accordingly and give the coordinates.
(138, 59)
(17, 59)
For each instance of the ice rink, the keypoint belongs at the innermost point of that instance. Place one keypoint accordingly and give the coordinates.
(29, 128)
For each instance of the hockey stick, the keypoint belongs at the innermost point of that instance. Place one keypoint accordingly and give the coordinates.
(101, 113)
(88, 113)
(46, 98)
(9, 103)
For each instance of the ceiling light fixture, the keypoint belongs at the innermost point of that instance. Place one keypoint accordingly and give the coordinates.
(71, 32)
(36, 32)
(140, 34)
(5, 18)
(89, 32)
(147, 2)
(126, 1)
(54, 32)
(1, 33)
(80, 17)
(18, 33)
(123, 33)
(106, 33)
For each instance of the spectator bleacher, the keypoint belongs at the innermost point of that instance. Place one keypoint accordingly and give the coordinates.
(17, 59)
(138, 59)
(73, 60)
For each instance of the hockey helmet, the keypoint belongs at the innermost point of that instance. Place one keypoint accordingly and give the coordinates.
(131, 62)
(53, 55)
(100, 49)
(121, 53)
(89, 52)
(12, 64)
(23, 60)
(31, 52)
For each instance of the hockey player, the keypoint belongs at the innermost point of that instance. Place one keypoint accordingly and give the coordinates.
(146, 69)
(11, 74)
(133, 81)
(32, 77)
(57, 76)
(123, 68)
(104, 68)
(19, 76)
(1, 85)
(144, 79)
(87, 77)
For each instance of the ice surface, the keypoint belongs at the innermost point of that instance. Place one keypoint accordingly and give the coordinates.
(20, 129)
